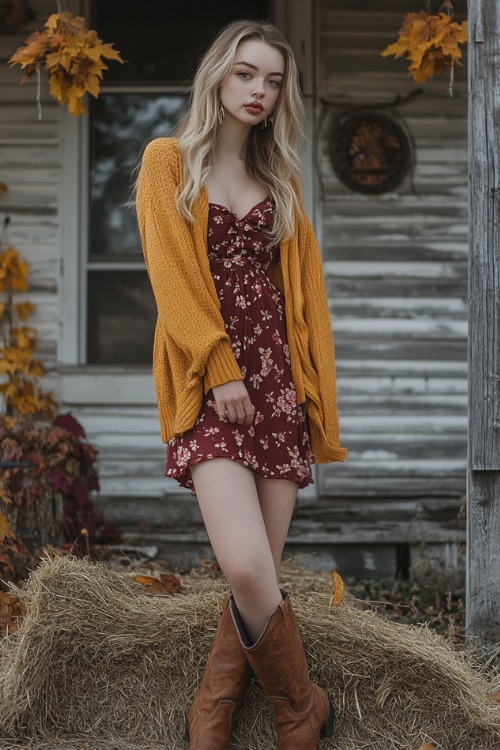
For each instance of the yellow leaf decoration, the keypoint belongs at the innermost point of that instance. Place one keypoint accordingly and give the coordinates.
(18, 388)
(430, 42)
(23, 310)
(338, 589)
(73, 56)
(13, 271)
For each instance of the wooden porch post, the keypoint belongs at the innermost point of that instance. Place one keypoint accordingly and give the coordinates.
(483, 484)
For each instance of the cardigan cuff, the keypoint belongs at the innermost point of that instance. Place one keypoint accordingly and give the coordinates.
(221, 366)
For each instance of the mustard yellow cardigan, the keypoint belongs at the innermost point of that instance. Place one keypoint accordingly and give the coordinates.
(192, 351)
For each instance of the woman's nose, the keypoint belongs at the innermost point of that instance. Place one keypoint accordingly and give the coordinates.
(258, 89)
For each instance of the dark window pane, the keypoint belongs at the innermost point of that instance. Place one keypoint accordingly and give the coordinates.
(163, 41)
(121, 318)
(120, 125)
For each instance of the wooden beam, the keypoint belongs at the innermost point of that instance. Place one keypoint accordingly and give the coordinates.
(483, 531)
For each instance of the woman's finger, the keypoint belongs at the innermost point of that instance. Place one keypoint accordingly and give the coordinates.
(249, 413)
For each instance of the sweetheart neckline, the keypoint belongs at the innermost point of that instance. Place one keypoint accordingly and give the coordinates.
(220, 205)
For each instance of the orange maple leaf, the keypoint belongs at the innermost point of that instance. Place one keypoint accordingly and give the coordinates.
(430, 43)
(338, 589)
(73, 56)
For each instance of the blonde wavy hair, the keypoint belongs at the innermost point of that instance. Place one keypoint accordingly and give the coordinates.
(272, 153)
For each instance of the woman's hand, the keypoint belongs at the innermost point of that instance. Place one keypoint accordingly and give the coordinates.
(233, 402)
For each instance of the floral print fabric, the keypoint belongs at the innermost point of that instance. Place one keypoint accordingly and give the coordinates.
(276, 444)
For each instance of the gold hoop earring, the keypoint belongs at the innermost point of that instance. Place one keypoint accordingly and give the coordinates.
(222, 112)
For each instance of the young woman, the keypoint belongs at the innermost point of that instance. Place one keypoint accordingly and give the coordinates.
(243, 360)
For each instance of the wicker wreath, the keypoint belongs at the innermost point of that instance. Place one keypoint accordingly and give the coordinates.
(370, 152)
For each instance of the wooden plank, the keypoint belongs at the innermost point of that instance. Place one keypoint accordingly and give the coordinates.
(26, 114)
(483, 532)
(407, 328)
(395, 384)
(45, 155)
(375, 403)
(379, 368)
(399, 307)
(336, 486)
(483, 558)
(402, 425)
(355, 286)
(484, 425)
(400, 349)
(177, 519)
(78, 388)
(425, 249)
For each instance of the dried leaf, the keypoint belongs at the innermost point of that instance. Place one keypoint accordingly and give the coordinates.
(5, 529)
(73, 56)
(166, 585)
(338, 589)
(427, 746)
(495, 696)
(431, 43)
(11, 609)
(146, 580)
(24, 310)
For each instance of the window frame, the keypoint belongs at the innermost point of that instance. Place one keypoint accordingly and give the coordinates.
(109, 264)
(296, 20)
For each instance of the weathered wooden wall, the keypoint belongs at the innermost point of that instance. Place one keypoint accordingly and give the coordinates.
(30, 165)
(396, 268)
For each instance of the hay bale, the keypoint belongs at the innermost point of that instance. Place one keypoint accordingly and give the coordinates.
(98, 663)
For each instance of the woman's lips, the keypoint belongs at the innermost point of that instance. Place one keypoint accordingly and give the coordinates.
(255, 109)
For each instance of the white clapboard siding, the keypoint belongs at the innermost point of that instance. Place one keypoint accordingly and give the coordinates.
(30, 166)
(131, 455)
(396, 271)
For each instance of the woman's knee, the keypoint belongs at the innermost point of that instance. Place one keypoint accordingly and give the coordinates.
(248, 577)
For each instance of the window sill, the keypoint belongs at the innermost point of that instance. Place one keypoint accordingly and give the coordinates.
(94, 385)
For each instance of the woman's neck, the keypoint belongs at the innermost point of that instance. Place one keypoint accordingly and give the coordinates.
(232, 139)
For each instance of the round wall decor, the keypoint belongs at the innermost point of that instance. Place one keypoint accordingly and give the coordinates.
(370, 151)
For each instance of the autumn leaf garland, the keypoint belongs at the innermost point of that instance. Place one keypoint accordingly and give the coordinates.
(431, 43)
(73, 56)
(18, 388)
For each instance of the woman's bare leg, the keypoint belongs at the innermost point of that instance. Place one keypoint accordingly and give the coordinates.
(233, 517)
(277, 500)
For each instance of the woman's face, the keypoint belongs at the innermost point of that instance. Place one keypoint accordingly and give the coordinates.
(252, 88)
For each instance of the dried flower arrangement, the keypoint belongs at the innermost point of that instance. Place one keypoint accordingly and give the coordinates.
(72, 55)
(430, 42)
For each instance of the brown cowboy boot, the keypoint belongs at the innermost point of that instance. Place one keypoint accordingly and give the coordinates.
(302, 709)
(222, 689)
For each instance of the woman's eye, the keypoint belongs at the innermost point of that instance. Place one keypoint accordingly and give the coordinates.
(243, 74)
(275, 84)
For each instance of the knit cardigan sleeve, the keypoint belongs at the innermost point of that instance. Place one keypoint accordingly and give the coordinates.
(186, 298)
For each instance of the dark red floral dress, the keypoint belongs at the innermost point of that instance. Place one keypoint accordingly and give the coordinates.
(276, 444)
